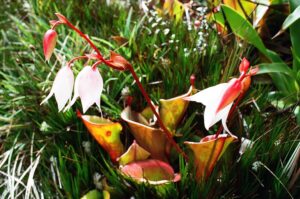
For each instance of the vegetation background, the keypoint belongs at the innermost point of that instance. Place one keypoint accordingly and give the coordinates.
(46, 154)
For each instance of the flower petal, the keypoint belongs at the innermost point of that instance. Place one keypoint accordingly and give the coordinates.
(88, 86)
(211, 118)
(48, 96)
(63, 86)
(223, 114)
(76, 93)
(205, 96)
(232, 91)
(210, 97)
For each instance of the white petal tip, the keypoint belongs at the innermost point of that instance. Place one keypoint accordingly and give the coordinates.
(47, 98)
(60, 109)
(85, 107)
(68, 107)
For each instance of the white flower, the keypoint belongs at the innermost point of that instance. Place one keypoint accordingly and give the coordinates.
(62, 87)
(88, 86)
(217, 101)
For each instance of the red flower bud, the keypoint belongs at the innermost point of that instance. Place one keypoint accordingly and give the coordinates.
(116, 61)
(244, 65)
(49, 43)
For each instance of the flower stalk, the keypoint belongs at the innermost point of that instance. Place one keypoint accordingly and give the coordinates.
(126, 66)
(75, 59)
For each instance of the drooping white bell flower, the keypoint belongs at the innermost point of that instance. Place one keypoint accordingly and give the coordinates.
(88, 86)
(62, 87)
(217, 101)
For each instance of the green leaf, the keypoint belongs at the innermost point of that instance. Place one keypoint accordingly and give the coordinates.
(242, 28)
(275, 68)
(292, 18)
(295, 32)
(219, 18)
(286, 82)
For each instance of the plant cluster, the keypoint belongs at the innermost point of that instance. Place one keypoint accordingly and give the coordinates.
(146, 140)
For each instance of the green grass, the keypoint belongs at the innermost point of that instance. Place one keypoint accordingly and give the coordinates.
(40, 145)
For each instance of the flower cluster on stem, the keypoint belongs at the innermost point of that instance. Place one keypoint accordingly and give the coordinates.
(89, 83)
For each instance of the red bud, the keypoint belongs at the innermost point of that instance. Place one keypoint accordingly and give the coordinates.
(244, 65)
(49, 43)
(116, 61)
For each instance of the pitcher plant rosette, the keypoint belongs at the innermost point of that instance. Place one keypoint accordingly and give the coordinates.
(153, 129)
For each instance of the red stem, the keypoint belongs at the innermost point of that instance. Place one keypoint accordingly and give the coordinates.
(91, 44)
(76, 58)
(161, 124)
(85, 37)
(96, 64)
